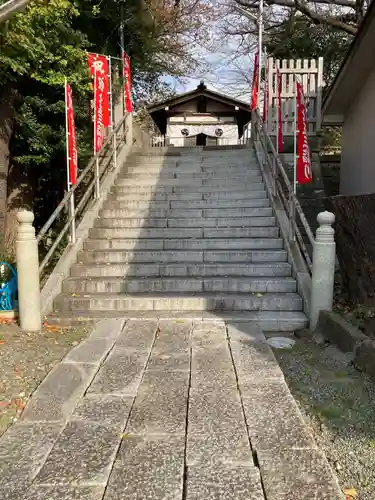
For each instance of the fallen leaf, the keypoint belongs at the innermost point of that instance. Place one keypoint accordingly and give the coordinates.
(19, 403)
(124, 435)
(350, 493)
(2, 341)
(51, 328)
(259, 294)
(6, 321)
(3, 404)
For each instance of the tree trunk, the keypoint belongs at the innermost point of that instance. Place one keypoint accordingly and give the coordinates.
(6, 131)
(355, 244)
(21, 188)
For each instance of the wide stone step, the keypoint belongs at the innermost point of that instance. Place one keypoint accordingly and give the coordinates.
(209, 188)
(173, 256)
(145, 206)
(268, 321)
(218, 204)
(184, 244)
(233, 232)
(277, 269)
(180, 284)
(180, 302)
(199, 222)
(240, 197)
(188, 182)
(192, 178)
(143, 169)
(181, 213)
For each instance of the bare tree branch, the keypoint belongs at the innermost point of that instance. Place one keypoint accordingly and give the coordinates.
(320, 17)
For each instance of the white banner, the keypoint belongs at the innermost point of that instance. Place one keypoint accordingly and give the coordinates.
(181, 130)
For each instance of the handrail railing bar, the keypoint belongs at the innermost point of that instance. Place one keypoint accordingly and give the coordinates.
(297, 205)
(64, 230)
(68, 195)
(303, 248)
(299, 236)
(74, 215)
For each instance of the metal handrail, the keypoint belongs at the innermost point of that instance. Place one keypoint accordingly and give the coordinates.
(103, 160)
(63, 203)
(286, 196)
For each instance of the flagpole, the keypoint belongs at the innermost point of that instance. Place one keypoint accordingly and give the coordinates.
(72, 227)
(122, 45)
(278, 100)
(260, 43)
(112, 113)
(96, 153)
(266, 89)
(295, 139)
(292, 236)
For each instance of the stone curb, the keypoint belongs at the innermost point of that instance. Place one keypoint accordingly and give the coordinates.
(348, 338)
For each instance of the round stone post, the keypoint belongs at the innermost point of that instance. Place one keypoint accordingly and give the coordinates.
(323, 270)
(28, 273)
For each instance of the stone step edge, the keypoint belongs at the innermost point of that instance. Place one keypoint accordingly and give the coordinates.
(269, 321)
(114, 279)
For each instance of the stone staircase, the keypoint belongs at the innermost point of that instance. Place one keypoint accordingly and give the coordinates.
(190, 233)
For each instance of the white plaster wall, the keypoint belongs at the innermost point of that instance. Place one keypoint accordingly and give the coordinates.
(357, 172)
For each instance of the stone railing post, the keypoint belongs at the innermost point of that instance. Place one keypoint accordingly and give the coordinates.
(323, 270)
(28, 273)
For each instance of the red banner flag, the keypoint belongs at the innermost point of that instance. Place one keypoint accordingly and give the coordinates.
(71, 147)
(98, 66)
(127, 83)
(280, 139)
(303, 173)
(254, 91)
(265, 96)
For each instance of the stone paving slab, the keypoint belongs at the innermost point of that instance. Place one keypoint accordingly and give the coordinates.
(161, 404)
(148, 468)
(111, 410)
(173, 336)
(121, 373)
(298, 475)
(274, 420)
(138, 335)
(92, 350)
(212, 365)
(254, 362)
(223, 483)
(217, 431)
(64, 492)
(245, 333)
(164, 410)
(108, 329)
(171, 350)
(84, 453)
(60, 391)
(23, 449)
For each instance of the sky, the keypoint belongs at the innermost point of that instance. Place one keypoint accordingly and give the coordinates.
(223, 73)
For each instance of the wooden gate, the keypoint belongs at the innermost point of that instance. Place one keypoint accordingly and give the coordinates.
(310, 73)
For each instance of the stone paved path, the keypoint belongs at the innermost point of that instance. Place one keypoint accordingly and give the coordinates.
(169, 410)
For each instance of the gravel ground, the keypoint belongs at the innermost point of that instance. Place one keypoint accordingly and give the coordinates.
(339, 406)
(25, 359)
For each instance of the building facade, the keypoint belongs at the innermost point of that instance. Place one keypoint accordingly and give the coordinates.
(201, 118)
(350, 103)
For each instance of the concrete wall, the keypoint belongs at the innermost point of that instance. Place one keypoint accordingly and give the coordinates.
(357, 173)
